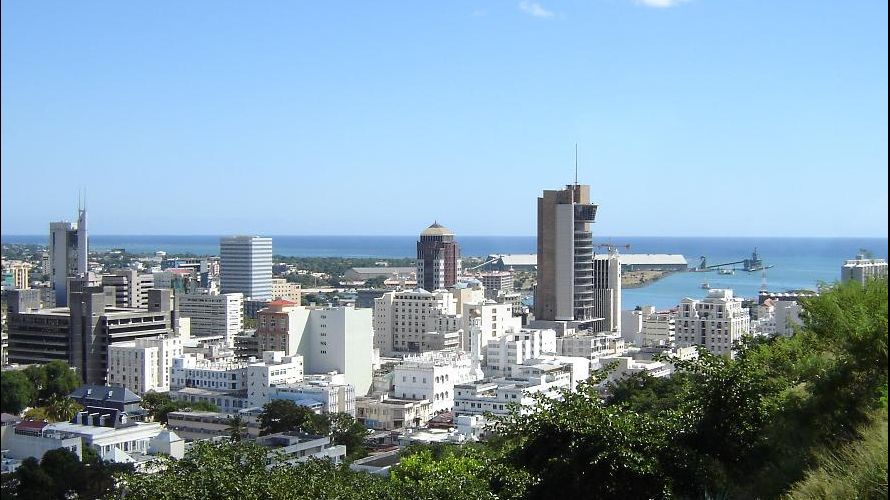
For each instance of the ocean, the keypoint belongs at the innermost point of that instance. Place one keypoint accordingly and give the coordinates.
(797, 262)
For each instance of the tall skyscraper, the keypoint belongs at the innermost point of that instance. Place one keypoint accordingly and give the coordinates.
(245, 266)
(565, 289)
(607, 290)
(437, 258)
(67, 254)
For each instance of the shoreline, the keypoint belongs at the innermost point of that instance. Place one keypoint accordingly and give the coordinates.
(641, 279)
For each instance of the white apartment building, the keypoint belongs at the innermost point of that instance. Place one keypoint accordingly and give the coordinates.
(329, 339)
(432, 376)
(590, 347)
(659, 329)
(254, 377)
(716, 322)
(862, 269)
(402, 320)
(786, 316)
(515, 348)
(275, 369)
(143, 365)
(493, 321)
(213, 315)
(632, 325)
(498, 395)
(332, 393)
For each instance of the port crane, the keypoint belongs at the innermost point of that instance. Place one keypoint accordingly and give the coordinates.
(750, 265)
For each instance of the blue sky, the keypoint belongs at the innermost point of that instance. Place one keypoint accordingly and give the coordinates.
(702, 117)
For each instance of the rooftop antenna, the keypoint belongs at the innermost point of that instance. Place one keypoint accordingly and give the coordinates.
(576, 163)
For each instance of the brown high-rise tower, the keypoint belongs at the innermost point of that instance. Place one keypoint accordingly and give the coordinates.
(565, 289)
(437, 258)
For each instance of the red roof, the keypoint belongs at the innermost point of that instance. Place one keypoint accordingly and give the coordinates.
(281, 303)
(31, 425)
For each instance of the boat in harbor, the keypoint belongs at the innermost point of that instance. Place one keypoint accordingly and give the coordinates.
(706, 286)
(726, 271)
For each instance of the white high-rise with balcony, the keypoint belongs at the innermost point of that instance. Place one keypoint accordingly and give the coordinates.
(245, 266)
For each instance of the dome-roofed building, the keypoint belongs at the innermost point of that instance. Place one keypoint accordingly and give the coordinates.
(437, 258)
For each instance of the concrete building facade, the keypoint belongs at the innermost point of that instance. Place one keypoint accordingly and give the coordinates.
(565, 286)
(245, 266)
(716, 322)
(68, 251)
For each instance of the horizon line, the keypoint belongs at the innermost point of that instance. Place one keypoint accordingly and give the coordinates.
(4, 235)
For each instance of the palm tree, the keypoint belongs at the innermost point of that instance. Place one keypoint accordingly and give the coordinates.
(237, 428)
(61, 409)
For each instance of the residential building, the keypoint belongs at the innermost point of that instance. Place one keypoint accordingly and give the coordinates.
(330, 392)
(514, 348)
(19, 272)
(199, 425)
(329, 339)
(432, 376)
(245, 266)
(496, 283)
(254, 378)
(632, 325)
(717, 322)
(416, 321)
(590, 346)
(281, 289)
(68, 253)
(143, 365)
(497, 396)
(438, 264)
(626, 366)
(659, 328)
(210, 315)
(862, 269)
(565, 286)
(389, 413)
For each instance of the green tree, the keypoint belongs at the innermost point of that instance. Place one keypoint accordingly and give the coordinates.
(32, 481)
(61, 380)
(65, 470)
(281, 415)
(16, 391)
(61, 409)
(237, 428)
(347, 431)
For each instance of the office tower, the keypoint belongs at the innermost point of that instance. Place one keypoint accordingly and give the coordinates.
(81, 334)
(565, 289)
(68, 254)
(213, 314)
(130, 287)
(437, 258)
(245, 266)
(607, 290)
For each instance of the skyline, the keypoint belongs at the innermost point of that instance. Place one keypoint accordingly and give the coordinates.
(302, 119)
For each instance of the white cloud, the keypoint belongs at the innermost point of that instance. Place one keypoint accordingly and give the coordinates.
(660, 4)
(534, 9)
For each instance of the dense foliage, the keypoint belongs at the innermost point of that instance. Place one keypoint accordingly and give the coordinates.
(36, 385)
(759, 425)
(281, 415)
(61, 475)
